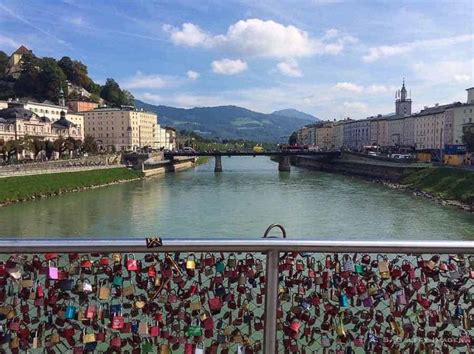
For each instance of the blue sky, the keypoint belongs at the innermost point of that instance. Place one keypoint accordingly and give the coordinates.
(330, 58)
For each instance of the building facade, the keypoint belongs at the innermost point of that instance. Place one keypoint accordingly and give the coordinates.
(81, 106)
(122, 128)
(16, 122)
(324, 136)
(13, 68)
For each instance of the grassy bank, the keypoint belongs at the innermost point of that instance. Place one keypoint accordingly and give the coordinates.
(19, 188)
(201, 160)
(442, 182)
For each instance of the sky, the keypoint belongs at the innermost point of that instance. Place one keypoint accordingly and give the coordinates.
(330, 58)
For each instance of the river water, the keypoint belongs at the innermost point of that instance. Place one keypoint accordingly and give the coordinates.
(240, 202)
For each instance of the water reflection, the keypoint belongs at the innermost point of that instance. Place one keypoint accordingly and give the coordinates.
(248, 196)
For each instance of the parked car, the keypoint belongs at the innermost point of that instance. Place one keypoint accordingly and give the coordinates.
(188, 149)
(258, 149)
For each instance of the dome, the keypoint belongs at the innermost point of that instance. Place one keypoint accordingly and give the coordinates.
(16, 113)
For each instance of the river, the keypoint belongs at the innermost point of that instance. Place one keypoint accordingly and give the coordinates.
(240, 202)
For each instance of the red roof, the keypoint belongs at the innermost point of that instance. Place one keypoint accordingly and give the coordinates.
(22, 50)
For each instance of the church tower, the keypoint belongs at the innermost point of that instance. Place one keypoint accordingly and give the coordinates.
(62, 100)
(402, 103)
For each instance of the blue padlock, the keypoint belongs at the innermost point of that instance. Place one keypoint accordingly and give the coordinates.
(70, 312)
(459, 311)
(134, 326)
(343, 300)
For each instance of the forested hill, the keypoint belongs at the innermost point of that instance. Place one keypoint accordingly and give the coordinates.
(228, 122)
(42, 78)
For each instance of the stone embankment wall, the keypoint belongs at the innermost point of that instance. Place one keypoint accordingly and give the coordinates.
(73, 165)
(356, 164)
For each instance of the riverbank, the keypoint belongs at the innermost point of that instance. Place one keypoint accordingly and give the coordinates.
(201, 160)
(444, 185)
(22, 188)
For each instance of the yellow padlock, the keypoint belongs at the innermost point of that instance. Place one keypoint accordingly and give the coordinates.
(165, 349)
(191, 262)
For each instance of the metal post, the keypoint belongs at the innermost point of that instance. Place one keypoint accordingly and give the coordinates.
(218, 163)
(271, 302)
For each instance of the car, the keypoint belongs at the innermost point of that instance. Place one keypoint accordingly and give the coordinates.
(372, 153)
(188, 149)
(258, 149)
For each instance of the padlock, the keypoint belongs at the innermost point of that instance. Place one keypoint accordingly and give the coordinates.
(295, 326)
(53, 270)
(86, 286)
(118, 321)
(191, 262)
(70, 312)
(104, 290)
(88, 337)
(132, 263)
(91, 311)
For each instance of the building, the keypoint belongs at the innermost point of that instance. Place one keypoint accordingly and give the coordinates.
(338, 133)
(402, 102)
(16, 122)
(324, 135)
(122, 128)
(81, 106)
(429, 127)
(459, 116)
(14, 62)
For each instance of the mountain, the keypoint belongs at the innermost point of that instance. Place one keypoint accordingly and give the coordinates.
(227, 122)
(294, 113)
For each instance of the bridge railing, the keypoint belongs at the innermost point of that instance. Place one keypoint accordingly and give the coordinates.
(236, 295)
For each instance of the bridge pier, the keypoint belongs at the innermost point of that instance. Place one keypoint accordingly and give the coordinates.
(284, 164)
(218, 163)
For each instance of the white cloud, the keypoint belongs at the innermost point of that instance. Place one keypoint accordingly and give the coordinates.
(77, 21)
(360, 89)
(192, 75)
(447, 71)
(189, 36)
(228, 66)
(348, 86)
(289, 68)
(259, 38)
(8, 42)
(141, 80)
(187, 100)
(376, 53)
(356, 106)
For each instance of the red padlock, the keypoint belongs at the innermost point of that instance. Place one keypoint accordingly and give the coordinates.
(118, 322)
(295, 326)
(132, 263)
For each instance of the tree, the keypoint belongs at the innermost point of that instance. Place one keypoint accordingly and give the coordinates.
(89, 145)
(75, 71)
(33, 144)
(3, 63)
(468, 139)
(127, 98)
(293, 138)
(52, 78)
(13, 148)
(111, 92)
(28, 81)
(71, 144)
(49, 149)
(59, 146)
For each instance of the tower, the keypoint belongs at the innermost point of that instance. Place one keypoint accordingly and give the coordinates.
(62, 100)
(402, 102)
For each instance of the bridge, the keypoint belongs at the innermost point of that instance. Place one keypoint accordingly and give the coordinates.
(283, 157)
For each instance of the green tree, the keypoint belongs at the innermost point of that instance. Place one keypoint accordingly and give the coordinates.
(127, 98)
(111, 92)
(49, 148)
(28, 83)
(293, 138)
(59, 146)
(12, 148)
(51, 78)
(468, 139)
(75, 71)
(3, 63)
(89, 145)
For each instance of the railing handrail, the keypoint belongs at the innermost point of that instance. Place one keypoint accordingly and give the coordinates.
(116, 244)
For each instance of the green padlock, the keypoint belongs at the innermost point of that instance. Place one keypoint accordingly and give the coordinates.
(147, 347)
(194, 331)
(359, 269)
(220, 266)
(118, 280)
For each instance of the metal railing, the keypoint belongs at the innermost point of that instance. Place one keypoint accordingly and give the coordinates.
(302, 264)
